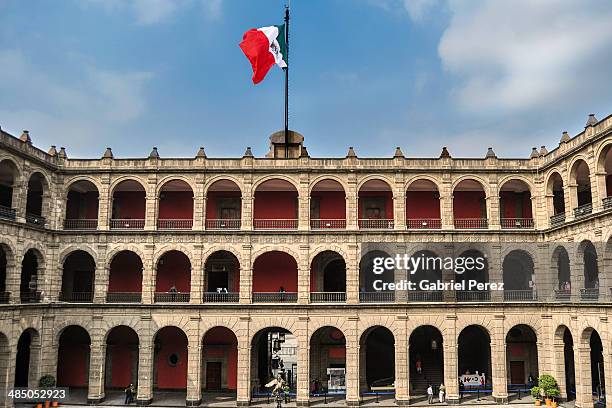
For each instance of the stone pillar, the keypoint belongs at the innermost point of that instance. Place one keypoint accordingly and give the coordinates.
(498, 362)
(352, 362)
(303, 363)
(151, 205)
(399, 209)
(145, 372)
(559, 364)
(248, 204)
(199, 205)
(20, 191)
(243, 394)
(148, 275)
(598, 188)
(352, 274)
(572, 188)
(402, 367)
(97, 359)
(100, 283)
(197, 276)
(303, 275)
(194, 370)
(7, 373)
(246, 275)
(550, 211)
(351, 212)
(13, 277)
(105, 204)
(584, 396)
(493, 209)
(303, 209)
(446, 211)
(451, 380)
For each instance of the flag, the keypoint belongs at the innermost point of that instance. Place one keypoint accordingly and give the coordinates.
(265, 47)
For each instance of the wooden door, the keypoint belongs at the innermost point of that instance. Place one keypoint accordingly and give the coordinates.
(517, 372)
(213, 376)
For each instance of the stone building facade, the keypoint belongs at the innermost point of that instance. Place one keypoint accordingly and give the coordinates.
(64, 221)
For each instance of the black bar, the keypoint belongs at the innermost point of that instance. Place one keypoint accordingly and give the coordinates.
(287, 82)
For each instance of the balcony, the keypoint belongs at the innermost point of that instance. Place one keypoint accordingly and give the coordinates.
(7, 213)
(327, 224)
(557, 219)
(606, 203)
(327, 297)
(274, 297)
(30, 297)
(583, 210)
(589, 294)
(170, 224)
(527, 295)
(471, 223)
(127, 224)
(377, 297)
(76, 297)
(34, 219)
(376, 223)
(123, 297)
(425, 296)
(269, 224)
(423, 223)
(227, 224)
(5, 297)
(220, 297)
(165, 297)
(473, 296)
(517, 223)
(563, 295)
(80, 224)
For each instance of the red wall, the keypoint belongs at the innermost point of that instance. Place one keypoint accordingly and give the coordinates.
(129, 204)
(332, 204)
(223, 336)
(172, 341)
(510, 205)
(275, 205)
(121, 366)
(211, 202)
(609, 185)
(76, 201)
(176, 205)
(388, 195)
(422, 204)
(467, 204)
(125, 273)
(175, 270)
(273, 270)
(73, 358)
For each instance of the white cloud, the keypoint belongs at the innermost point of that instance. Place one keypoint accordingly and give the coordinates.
(153, 11)
(212, 8)
(419, 9)
(522, 55)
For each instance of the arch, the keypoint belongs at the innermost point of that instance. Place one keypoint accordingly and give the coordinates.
(590, 338)
(221, 276)
(73, 357)
(555, 190)
(515, 203)
(273, 353)
(170, 358)
(257, 184)
(37, 198)
(561, 263)
(219, 360)
(167, 182)
(327, 274)
(275, 203)
(82, 202)
(426, 358)
(9, 176)
(518, 275)
(429, 271)
(275, 272)
(125, 276)
(128, 203)
(423, 203)
(479, 180)
(589, 256)
(327, 204)
(374, 177)
(373, 274)
(223, 204)
(121, 357)
(565, 363)
(580, 177)
(522, 355)
(175, 204)
(479, 274)
(26, 364)
(7, 262)
(327, 355)
(223, 182)
(31, 264)
(173, 277)
(78, 277)
(469, 203)
(70, 249)
(323, 177)
(474, 354)
(377, 357)
(375, 203)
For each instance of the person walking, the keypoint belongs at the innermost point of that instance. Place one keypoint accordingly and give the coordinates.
(419, 366)
(430, 394)
(132, 393)
(461, 389)
(442, 393)
(128, 395)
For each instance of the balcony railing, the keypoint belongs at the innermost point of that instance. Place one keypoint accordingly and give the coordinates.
(583, 210)
(31, 296)
(174, 224)
(563, 295)
(377, 297)
(165, 297)
(84, 297)
(473, 296)
(80, 224)
(274, 297)
(425, 296)
(118, 223)
(217, 297)
(607, 202)
(223, 224)
(34, 219)
(321, 223)
(275, 224)
(123, 297)
(5, 297)
(520, 295)
(7, 213)
(517, 223)
(376, 223)
(423, 223)
(557, 219)
(589, 294)
(328, 297)
(471, 223)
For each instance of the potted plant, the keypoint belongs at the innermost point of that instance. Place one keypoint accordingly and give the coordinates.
(46, 381)
(548, 388)
(536, 393)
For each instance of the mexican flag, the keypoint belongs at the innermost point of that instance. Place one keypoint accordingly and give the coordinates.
(265, 47)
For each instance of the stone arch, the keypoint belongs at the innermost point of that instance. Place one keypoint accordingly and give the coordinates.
(67, 251)
(110, 255)
(418, 177)
(133, 323)
(376, 177)
(75, 179)
(228, 248)
(65, 323)
(548, 178)
(277, 248)
(288, 179)
(113, 185)
(327, 247)
(324, 177)
(483, 183)
(174, 247)
(239, 183)
(174, 177)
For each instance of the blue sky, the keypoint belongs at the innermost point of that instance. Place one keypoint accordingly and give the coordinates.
(373, 74)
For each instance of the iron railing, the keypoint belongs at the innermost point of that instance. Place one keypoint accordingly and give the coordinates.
(223, 224)
(174, 223)
(35, 219)
(275, 224)
(589, 294)
(471, 223)
(527, 295)
(118, 223)
(7, 213)
(322, 223)
(423, 223)
(606, 202)
(583, 210)
(557, 219)
(274, 297)
(32, 296)
(124, 297)
(377, 297)
(328, 297)
(425, 296)
(473, 296)
(376, 223)
(517, 223)
(81, 297)
(81, 224)
(165, 297)
(220, 297)
(563, 295)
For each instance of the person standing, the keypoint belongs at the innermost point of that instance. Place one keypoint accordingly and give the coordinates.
(128, 395)
(419, 366)
(442, 393)
(430, 394)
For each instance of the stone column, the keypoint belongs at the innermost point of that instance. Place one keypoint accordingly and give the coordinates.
(351, 212)
(584, 396)
(97, 358)
(197, 275)
(402, 367)
(399, 209)
(598, 188)
(199, 205)
(446, 211)
(246, 275)
(145, 372)
(352, 363)
(451, 370)
(248, 204)
(493, 214)
(352, 274)
(303, 363)
(303, 275)
(13, 277)
(303, 209)
(148, 275)
(194, 370)
(151, 205)
(498, 362)
(243, 394)
(559, 364)
(100, 283)
(572, 189)
(20, 191)
(105, 204)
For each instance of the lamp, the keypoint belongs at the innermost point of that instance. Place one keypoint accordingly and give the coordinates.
(434, 344)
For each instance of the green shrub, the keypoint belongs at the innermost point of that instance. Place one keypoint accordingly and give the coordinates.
(46, 381)
(536, 392)
(548, 385)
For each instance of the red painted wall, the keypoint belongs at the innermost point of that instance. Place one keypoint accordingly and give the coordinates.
(275, 205)
(511, 201)
(73, 358)
(422, 204)
(129, 204)
(223, 336)
(388, 195)
(211, 202)
(337, 352)
(467, 204)
(176, 205)
(88, 201)
(172, 341)
(123, 347)
(125, 273)
(174, 270)
(273, 270)
(332, 204)
(609, 185)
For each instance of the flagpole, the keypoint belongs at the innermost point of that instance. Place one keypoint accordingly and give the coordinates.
(287, 82)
